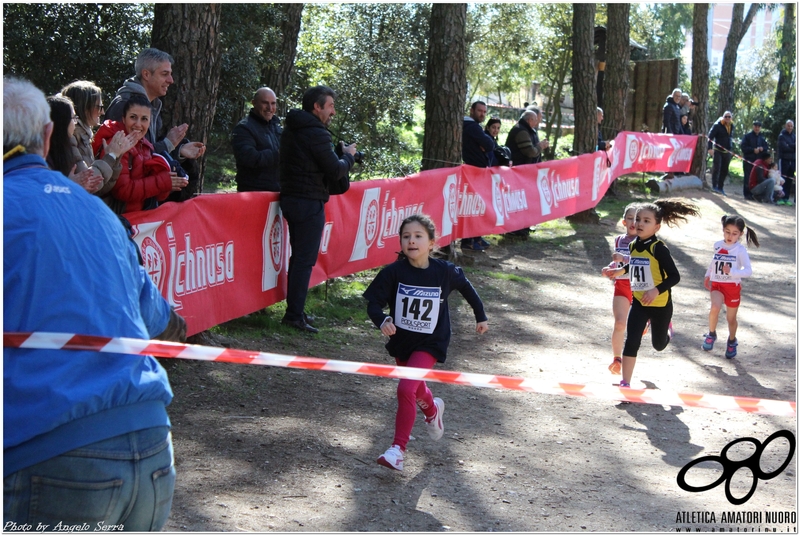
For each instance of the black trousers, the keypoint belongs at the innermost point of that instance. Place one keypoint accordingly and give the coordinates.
(306, 221)
(721, 167)
(659, 319)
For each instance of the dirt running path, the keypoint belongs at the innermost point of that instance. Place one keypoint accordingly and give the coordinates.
(266, 449)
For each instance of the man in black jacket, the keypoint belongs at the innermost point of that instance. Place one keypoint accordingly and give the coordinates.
(753, 145)
(721, 150)
(308, 166)
(256, 145)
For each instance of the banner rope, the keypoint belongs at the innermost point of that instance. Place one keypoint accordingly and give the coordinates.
(156, 348)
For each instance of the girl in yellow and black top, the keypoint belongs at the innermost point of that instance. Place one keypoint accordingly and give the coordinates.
(652, 275)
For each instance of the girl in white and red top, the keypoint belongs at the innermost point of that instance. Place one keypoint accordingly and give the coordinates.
(723, 278)
(622, 294)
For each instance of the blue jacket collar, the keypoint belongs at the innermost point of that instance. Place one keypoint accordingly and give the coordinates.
(25, 160)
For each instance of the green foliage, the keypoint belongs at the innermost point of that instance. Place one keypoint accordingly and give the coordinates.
(248, 33)
(52, 45)
(499, 39)
(661, 28)
(755, 84)
(774, 122)
(373, 56)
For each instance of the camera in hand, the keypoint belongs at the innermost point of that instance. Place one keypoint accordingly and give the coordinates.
(339, 149)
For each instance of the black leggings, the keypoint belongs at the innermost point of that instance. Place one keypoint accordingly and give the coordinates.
(659, 319)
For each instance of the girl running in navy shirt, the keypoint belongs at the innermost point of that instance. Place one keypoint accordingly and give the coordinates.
(415, 290)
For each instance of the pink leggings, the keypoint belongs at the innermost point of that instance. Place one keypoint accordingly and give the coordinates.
(411, 393)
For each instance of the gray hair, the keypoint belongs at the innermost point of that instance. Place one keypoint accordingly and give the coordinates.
(527, 114)
(25, 115)
(150, 58)
(599, 110)
(676, 90)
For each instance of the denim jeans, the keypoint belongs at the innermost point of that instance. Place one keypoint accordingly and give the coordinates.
(125, 481)
(764, 192)
(306, 220)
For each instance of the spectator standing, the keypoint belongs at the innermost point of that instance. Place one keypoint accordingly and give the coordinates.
(153, 78)
(601, 143)
(787, 151)
(87, 99)
(671, 113)
(308, 165)
(478, 147)
(256, 145)
(525, 147)
(721, 150)
(523, 141)
(60, 157)
(761, 185)
(752, 145)
(90, 428)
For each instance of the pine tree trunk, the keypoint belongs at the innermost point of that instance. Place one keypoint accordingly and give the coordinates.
(190, 33)
(787, 54)
(445, 89)
(584, 86)
(617, 71)
(583, 81)
(279, 63)
(738, 28)
(700, 89)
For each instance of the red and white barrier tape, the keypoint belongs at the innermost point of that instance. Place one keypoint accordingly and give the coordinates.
(132, 346)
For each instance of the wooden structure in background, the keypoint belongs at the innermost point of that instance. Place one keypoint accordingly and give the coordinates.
(650, 83)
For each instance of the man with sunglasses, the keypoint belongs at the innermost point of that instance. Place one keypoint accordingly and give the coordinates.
(720, 150)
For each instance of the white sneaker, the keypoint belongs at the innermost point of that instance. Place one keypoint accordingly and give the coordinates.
(435, 427)
(392, 458)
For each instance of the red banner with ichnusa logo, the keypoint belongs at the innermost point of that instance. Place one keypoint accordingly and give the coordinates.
(219, 257)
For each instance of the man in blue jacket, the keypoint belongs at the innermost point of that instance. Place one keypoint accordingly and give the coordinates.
(477, 145)
(85, 434)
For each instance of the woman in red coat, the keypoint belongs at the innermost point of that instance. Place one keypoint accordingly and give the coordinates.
(144, 175)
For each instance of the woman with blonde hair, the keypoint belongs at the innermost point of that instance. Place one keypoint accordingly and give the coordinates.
(87, 99)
